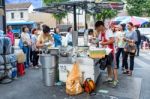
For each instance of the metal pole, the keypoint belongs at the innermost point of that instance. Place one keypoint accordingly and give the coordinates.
(4, 17)
(85, 21)
(78, 22)
(75, 18)
(85, 16)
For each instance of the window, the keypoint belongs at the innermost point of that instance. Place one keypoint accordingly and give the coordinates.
(21, 14)
(12, 15)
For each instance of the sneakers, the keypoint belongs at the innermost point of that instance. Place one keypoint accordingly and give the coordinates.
(36, 67)
(109, 80)
(115, 83)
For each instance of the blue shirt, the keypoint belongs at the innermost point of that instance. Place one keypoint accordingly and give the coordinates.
(57, 39)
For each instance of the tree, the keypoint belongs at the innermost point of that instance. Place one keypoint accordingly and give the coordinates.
(57, 16)
(106, 14)
(138, 7)
(114, 0)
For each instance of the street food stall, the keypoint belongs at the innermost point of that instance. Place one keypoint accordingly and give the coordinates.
(84, 55)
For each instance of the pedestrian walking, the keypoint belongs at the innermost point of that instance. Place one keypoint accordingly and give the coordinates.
(130, 48)
(25, 37)
(138, 41)
(57, 37)
(107, 39)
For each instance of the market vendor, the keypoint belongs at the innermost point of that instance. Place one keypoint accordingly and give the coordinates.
(106, 39)
(45, 39)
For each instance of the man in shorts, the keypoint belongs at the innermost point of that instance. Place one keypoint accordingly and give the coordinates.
(107, 40)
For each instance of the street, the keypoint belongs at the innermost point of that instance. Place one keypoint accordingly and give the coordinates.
(36, 26)
(31, 86)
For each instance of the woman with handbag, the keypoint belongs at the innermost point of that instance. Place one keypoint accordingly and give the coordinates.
(130, 48)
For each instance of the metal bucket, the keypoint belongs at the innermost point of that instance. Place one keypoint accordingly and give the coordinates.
(48, 76)
(47, 60)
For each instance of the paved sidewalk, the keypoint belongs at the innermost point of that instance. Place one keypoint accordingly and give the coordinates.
(31, 87)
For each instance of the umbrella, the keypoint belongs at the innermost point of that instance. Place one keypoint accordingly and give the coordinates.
(135, 20)
(120, 18)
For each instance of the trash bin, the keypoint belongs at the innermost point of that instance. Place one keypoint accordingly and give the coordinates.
(48, 62)
(48, 76)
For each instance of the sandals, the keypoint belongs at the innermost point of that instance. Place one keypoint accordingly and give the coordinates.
(130, 73)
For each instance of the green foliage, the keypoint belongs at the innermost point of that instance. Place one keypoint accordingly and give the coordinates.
(106, 14)
(114, 0)
(58, 16)
(138, 7)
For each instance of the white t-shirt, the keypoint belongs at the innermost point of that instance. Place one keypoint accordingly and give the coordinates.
(69, 37)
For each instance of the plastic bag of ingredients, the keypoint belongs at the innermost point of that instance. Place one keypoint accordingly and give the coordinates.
(7, 45)
(1, 60)
(73, 83)
(21, 57)
(1, 45)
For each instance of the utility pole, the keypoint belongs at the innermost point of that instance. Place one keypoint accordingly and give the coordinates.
(75, 17)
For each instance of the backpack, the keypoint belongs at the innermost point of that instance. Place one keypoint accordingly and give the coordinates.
(138, 36)
(89, 85)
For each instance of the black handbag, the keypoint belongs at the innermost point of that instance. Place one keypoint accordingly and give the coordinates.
(103, 63)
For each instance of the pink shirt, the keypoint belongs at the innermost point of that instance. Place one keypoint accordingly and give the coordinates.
(10, 34)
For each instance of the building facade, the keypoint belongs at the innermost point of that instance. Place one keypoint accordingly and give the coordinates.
(25, 12)
(18, 12)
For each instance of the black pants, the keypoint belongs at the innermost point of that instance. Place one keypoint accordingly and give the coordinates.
(137, 49)
(35, 58)
(126, 55)
(119, 52)
(31, 55)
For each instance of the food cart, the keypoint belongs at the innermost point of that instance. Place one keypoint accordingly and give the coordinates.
(87, 63)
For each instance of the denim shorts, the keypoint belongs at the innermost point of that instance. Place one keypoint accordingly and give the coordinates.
(112, 57)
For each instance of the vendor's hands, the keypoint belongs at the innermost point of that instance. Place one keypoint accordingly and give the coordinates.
(102, 43)
(47, 43)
